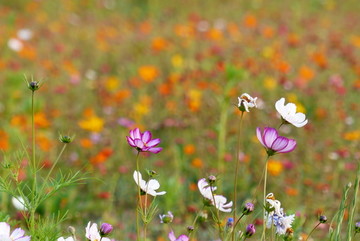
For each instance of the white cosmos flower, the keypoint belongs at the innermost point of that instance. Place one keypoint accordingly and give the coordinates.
(288, 113)
(149, 187)
(246, 102)
(24, 34)
(17, 235)
(93, 234)
(15, 44)
(220, 201)
(65, 239)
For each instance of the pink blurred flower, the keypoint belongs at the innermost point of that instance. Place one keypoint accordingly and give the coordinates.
(143, 142)
(182, 237)
(273, 142)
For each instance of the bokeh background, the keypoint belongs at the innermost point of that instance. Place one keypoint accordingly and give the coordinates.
(176, 68)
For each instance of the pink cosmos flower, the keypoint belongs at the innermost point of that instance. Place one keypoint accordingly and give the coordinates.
(273, 142)
(143, 142)
(182, 237)
(17, 235)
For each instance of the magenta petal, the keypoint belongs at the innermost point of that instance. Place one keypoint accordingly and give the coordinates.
(183, 237)
(154, 149)
(153, 142)
(130, 141)
(269, 136)
(280, 143)
(259, 136)
(137, 134)
(139, 143)
(146, 137)
(131, 132)
(290, 146)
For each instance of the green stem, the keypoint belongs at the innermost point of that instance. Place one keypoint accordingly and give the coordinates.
(236, 173)
(264, 201)
(54, 164)
(34, 187)
(217, 213)
(312, 231)
(237, 223)
(139, 205)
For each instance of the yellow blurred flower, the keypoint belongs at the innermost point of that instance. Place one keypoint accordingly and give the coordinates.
(112, 83)
(270, 83)
(92, 123)
(293, 99)
(352, 135)
(275, 167)
(177, 61)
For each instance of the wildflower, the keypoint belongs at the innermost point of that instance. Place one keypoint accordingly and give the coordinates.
(33, 85)
(16, 235)
(93, 234)
(166, 218)
(273, 142)
(230, 223)
(246, 102)
(15, 44)
(218, 201)
(106, 228)
(182, 237)
(250, 230)
(275, 215)
(149, 187)
(143, 142)
(66, 139)
(19, 203)
(289, 115)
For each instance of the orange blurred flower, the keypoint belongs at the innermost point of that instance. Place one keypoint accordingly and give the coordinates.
(159, 44)
(102, 156)
(189, 149)
(41, 120)
(352, 135)
(43, 142)
(250, 21)
(4, 141)
(197, 163)
(86, 143)
(275, 167)
(148, 73)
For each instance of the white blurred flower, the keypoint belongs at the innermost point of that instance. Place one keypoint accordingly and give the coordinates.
(19, 203)
(92, 233)
(17, 235)
(25, 34)
(218, 201)
(15, 44)
(289, 115)
(66, 239)
(246, 102)
(149, 187)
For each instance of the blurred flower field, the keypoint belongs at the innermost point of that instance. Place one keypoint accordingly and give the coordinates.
(176, 69)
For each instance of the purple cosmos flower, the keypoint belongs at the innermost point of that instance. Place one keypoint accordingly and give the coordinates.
(143, 142)
(17, 235)
(182, 237)
(250, 230)
(273, 142)
(106, 229)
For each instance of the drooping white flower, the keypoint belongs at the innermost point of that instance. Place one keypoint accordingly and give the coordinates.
(289, 115)
(149, 187)
(218, 201)
(65, 239)
(277, 217)
(19, 203)
(92, 233)
(246, 102)
(16, 235)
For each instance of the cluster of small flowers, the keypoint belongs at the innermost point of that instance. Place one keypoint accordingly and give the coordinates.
(92, 233)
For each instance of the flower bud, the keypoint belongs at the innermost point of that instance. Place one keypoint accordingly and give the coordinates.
(166, 218)
(34, 85)
(66, 139)
(248, 208)
(322, 219)
(106, 228)
(151, 173)
(71, 230)
(250, 230)
(211, 180)
(190, 229)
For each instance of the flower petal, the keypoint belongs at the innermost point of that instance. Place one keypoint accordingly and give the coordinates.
(137, 134)
(146, 137)
(269, 136)
(280, 143)
(130, 141)
(153, 184)
(259, 136)
(153, 142)
(155, 150)
(139, 143)
(4, 228)
(280, 105)
(17, 233)
(290, 146)
(172, 236)
(26, 238)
